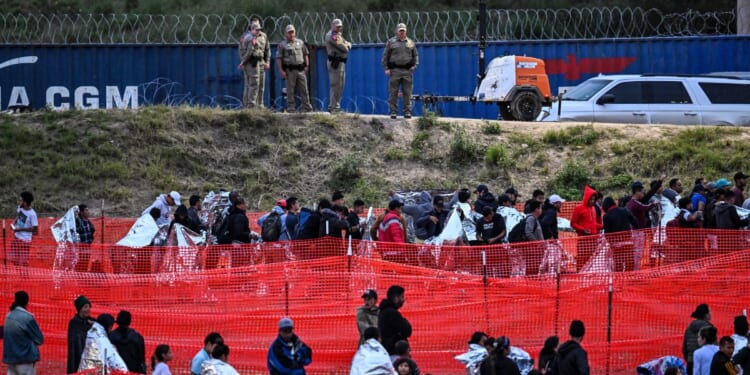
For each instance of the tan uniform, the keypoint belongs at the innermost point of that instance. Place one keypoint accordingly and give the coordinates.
(266, 62)
(337, 49)
(292, 56)
(400, 56)
(251, 55)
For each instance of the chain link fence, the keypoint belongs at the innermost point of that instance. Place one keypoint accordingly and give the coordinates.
(377, 27)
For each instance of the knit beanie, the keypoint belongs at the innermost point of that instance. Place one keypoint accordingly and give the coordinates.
(80, 302)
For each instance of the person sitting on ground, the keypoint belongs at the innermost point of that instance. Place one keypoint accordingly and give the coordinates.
(490, 228)
(371, 357)
(403, 367)
(432, 223)
(484, 199)
(288, 354)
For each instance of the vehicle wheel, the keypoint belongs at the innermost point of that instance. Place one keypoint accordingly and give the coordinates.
(526, 106)
(504, 112)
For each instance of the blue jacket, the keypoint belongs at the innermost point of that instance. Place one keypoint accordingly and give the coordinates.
(21, 337)
(288, 358)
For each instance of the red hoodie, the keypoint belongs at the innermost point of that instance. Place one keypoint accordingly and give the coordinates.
(584, 216)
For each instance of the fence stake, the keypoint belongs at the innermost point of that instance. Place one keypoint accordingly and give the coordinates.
(609, 322)
(486, 304)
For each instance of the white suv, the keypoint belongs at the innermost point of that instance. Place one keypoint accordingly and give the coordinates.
(656, 99)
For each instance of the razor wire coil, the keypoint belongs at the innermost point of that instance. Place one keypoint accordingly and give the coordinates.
(365, 27)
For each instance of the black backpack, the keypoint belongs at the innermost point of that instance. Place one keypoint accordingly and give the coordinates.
(270, 230)
(518, 233)
(223, 237)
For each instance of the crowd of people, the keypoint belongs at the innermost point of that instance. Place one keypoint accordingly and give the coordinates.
(383, 346)
(400, 59)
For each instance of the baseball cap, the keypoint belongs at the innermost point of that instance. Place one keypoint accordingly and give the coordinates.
(554, 198)
(337, 23)
(289, 28)
(281, 203)
(739, 175)
(711, 185)
(722, 183)
(401, 26)
(370, 293)
(255, 26)
(636, 185)
(286, 323)
(176, 196)
(481, 188)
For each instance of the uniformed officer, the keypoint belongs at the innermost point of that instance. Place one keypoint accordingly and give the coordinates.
(292, 59)
(266, 62)
(252, 63)
(338, 49)
(400, 59)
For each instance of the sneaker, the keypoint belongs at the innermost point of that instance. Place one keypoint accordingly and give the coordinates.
(407, 115)
(393, 115)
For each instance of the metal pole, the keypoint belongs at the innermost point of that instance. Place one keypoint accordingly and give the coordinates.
(5, 246)
(486, 304)
(609, 322)
(482, 18)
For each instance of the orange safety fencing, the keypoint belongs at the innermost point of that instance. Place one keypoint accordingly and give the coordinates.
(631, 317)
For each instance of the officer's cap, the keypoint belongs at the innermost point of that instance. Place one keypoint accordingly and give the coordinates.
(289, 28)
(401, 26)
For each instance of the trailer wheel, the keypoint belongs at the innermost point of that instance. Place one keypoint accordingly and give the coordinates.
(526, 106)
(504, 112)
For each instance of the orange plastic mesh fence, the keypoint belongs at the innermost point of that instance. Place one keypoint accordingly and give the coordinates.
(447, 297)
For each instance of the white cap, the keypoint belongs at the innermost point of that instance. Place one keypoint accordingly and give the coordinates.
(554, 198)
(289, 28)
(176, 196)
(337, 22)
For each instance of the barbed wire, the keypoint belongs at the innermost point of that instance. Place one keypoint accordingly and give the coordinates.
(363, 27)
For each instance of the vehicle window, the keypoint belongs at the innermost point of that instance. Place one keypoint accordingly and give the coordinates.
(586, 90)
(667, 93)
(628, 93)
(726, 93)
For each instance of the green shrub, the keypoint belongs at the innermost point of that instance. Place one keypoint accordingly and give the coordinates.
(570, 180)
(427, 121)
(491, 128)
(345, 172)
(497, 156)
(573, 136)
(462, 148)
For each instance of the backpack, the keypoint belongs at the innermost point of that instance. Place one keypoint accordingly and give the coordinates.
(270, 230)
(302, 216)
(223, 236)
(518, 233)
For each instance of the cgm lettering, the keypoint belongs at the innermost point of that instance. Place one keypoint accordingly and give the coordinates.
(87, 97)
(84, 97)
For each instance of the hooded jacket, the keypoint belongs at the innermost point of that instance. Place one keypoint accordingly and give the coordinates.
(371, 359)
(391, 229)
(288, 358)
(21, 337)
(571, 360)
(548, 221)
(727, 217)
(130, 346)
(99, 351)
(392, 325)
(485, 200)
(584, 216)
